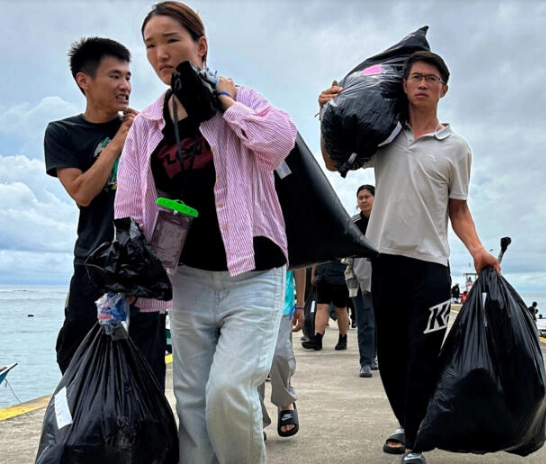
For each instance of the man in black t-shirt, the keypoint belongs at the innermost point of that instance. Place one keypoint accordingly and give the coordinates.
(83, 151)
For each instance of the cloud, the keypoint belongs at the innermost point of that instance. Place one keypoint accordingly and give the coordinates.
(17, 267)
(26, 123)
(33, 214)
(290, 51)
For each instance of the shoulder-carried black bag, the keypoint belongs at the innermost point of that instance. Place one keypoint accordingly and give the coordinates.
(318, 227)
(369, 111)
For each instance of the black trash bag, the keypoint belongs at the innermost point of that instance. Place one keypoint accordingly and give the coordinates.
(108, 407)
(318, 228)
(196, 90)
(309, 313)
(370, 110)
(491, 390)
(128, 265)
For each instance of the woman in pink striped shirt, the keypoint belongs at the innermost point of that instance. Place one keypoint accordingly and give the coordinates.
(229, 285)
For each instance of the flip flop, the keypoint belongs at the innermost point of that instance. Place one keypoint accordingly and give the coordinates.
(398, 436)
(288, 417)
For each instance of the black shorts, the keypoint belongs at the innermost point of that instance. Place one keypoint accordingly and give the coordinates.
(328, 293)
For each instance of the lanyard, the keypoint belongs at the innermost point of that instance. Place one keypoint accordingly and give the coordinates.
(179, 149)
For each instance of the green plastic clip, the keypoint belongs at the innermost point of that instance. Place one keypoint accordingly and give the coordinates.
(177, 206)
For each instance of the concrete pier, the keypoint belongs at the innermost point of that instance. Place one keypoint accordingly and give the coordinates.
(343, 418)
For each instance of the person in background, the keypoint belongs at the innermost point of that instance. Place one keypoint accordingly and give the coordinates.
(361, 270)
(83, 152)
(456, 293)
(533, 309)
(329, 278)
(352, 312)
(229, 286)
(422, 180)
(283, 394)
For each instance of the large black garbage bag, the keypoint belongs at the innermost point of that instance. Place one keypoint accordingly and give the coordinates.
(369, 111)
(108, 408)
(128, 265)
(318, 227)
(309, 313)
(491, 391)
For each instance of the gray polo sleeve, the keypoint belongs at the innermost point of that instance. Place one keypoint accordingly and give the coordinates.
(460, 172)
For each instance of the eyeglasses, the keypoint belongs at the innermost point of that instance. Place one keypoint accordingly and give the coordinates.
(429, 78)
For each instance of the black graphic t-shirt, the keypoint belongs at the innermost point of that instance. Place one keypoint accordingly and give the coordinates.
(75, 143)
(193, 183)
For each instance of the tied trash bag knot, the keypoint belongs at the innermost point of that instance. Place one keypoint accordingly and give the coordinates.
(113, 312)
(129, 265)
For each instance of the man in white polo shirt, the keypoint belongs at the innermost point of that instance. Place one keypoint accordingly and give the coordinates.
(422, 180)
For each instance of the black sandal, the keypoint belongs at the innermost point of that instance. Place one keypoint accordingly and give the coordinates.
(285, 418)
(398, 436)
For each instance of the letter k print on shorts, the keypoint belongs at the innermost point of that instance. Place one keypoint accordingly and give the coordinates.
(439, 317)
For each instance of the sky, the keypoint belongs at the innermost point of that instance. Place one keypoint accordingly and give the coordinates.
(289, 52)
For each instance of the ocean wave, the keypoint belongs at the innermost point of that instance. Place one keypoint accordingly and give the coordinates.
(34, 291)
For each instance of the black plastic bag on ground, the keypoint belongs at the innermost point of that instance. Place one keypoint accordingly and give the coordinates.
(369, 111)
(108, 408)
(309, 313)
(128, 265)
(318, 228)
(491, 390)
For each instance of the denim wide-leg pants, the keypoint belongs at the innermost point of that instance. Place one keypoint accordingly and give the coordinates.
(224, 330)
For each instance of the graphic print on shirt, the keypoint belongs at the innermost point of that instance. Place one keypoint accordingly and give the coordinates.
(439, 317)
(112, 181)
(169, 157)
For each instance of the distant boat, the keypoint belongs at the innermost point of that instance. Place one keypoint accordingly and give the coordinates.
(5, 370)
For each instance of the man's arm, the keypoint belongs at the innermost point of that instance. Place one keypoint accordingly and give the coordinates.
(298, 318)
(330, 165)
(84, 187)
(463, 225)
(314, 275)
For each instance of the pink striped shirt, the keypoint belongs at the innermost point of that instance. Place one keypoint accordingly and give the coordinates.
(248, 142)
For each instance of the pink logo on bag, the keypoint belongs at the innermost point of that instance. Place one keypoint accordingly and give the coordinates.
(375, 69)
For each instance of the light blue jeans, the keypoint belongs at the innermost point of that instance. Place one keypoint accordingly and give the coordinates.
(283, 368)
(224, 331)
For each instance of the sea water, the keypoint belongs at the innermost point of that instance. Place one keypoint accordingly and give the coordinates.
(31, 319)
